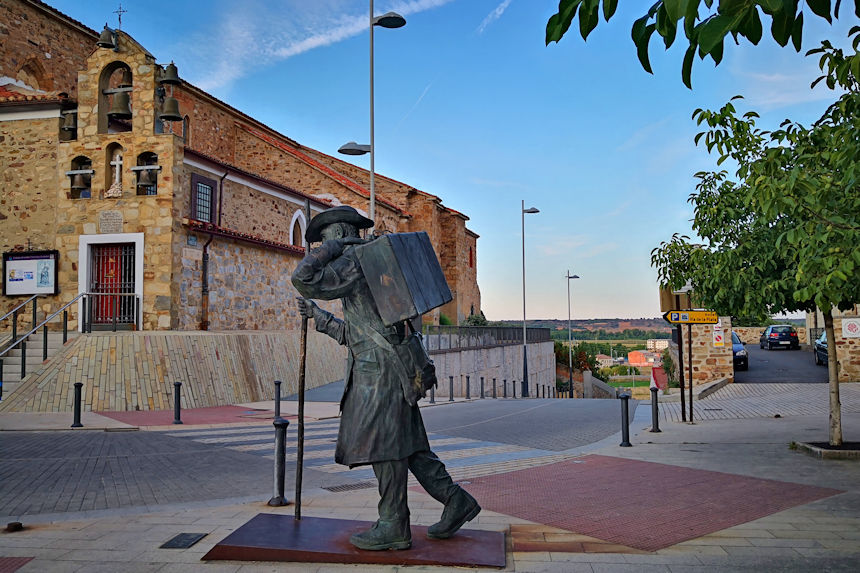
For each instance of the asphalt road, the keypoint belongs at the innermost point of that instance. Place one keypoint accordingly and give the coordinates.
(554, 425)
(780, 365)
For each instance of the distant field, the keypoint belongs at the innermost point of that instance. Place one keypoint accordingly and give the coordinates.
(638, 383)
(626, 342)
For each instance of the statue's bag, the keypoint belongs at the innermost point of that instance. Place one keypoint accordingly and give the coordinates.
(406, 281)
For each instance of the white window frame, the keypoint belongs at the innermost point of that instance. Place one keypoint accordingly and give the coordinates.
(84, 242)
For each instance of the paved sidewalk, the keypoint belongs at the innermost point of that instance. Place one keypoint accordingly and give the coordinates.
(822, 535)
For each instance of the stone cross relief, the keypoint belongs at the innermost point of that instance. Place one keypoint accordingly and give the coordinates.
(115, 189)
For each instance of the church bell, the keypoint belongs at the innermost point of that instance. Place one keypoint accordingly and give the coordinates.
(79, 182)
(170, 76)
(120, 108)
(126, 81)
(70, 122)
(106, 39)
(146, 178)
(170, 110)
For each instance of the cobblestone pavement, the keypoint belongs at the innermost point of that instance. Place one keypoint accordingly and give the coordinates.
(60, 472)
(735, 401)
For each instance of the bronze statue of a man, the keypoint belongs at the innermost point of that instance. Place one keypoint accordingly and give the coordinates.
(379, 424)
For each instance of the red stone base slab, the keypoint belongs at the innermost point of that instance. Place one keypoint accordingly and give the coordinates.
(270, 537)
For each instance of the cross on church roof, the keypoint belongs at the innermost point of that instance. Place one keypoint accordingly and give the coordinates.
(119, 12)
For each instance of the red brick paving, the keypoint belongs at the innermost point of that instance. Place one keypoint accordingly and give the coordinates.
(213, 415)
(12, 564)
(643, 505)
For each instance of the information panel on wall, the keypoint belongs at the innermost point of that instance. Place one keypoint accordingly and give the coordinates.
(30, 272)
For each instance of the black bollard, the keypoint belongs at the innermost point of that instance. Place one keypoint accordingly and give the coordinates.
(450, 388)
(277, 399)
(655, 414)
(176, 412)
(482, 387)
(278, 498)
(76, 423)
(625, 421)
(494, 388)
(433, 394)
(468, 394)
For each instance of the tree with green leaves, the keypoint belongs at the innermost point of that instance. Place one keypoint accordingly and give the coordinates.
(782, 235)
(705, 24)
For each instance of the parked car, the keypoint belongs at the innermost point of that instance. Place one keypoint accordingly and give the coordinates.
(739, 353)
(779, 336)
(821, 349)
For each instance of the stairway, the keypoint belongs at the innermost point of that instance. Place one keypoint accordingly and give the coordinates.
(12, 359)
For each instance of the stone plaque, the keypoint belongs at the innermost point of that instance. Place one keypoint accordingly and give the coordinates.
(110, 222)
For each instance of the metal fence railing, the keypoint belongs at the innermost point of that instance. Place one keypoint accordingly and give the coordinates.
(438, 338)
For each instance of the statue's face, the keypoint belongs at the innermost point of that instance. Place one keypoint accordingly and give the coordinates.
(338, 231)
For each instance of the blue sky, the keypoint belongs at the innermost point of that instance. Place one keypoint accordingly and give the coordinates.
(473, 107)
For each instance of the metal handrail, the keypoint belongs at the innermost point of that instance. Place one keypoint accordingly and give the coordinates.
(472, 337)
(14, 310)
(41, 324)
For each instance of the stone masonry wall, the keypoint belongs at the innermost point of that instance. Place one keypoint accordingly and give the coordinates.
(32, 39)
(710, 363)
(249, 287)
(28, 187)
(847, 352)
(751, 334)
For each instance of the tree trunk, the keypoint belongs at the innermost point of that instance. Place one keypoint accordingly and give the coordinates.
(833, 379)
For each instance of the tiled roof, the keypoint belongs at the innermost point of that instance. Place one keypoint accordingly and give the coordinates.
(337, 176)
(238, 170)
(214, 229)
(12, 94)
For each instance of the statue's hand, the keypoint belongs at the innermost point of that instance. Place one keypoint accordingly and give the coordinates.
(306, 307)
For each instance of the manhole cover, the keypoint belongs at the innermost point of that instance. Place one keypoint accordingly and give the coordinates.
(183, 541)
(351, 486)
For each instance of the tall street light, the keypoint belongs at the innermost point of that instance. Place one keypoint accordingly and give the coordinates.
(387, 20)
(525, 388)
(569, 337)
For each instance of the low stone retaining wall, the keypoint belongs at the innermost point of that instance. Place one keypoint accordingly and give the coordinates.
(502, 363)
(136, 370)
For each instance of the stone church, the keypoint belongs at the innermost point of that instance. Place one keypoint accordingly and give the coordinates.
(170, 208)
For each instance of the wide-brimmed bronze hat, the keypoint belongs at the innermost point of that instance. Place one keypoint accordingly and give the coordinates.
(340, 214)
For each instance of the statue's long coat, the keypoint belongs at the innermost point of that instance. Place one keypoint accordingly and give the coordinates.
(377, 423)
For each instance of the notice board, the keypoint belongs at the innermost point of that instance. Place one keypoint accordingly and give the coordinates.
(30, 272)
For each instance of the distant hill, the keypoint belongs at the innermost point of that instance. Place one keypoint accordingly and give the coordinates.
(607, 324)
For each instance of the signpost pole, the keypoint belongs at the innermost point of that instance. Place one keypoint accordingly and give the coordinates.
(690, 346)
(680, 331)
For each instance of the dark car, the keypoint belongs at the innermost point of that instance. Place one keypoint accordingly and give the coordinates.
(779, 336)
(739, 353)
(821, 349)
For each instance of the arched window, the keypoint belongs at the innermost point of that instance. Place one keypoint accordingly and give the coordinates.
(32, 73)
(297, 229)
(115, 101)
(113, 172)
(80, 178)
(147, 173)
(186, 131)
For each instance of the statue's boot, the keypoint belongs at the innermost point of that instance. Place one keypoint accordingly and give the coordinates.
(461, 508)
(383, 535)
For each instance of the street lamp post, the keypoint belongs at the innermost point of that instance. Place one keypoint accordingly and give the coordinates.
(569, 336)
(387, 20)
(525, 388)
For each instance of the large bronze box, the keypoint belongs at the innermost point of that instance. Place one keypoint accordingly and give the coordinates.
(404, 275)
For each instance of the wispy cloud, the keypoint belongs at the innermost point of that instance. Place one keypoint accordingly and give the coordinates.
(561, 246)
(262, 34)
(772, 91)
(494, 15)
(644, 134)
(414, 105)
